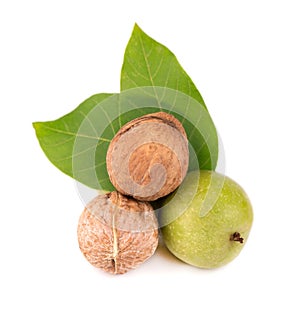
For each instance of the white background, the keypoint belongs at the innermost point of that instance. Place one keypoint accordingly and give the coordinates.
(244, 58)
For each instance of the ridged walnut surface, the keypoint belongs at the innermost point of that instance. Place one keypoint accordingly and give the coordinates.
(117, 233)
(148, 157)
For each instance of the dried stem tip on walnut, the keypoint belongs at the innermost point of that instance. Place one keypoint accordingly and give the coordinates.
(148, 157)
(117, 233)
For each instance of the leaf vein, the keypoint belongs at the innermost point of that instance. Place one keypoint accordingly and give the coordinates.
(149, 70)
(136, 71)
(158, 67)
(75, 134)
(91, 167)
(76, 154)
(109, 120)
(89, 121)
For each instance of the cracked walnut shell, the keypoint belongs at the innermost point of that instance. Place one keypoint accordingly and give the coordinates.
(117, 233)
(148, 157)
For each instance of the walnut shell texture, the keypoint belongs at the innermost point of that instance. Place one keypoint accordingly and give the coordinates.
(148, 157)
(117, 233)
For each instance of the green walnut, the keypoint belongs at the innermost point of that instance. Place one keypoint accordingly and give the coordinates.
(207, 221)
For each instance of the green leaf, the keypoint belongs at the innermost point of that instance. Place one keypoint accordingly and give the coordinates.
(151, 80)
(77, 143)
(57, 137)
(149, 63)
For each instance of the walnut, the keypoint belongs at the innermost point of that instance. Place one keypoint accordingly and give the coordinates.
(117, 233)
(148, 157)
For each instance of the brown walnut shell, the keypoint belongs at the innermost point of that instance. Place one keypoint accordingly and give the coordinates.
(148, 157)
(117, 233)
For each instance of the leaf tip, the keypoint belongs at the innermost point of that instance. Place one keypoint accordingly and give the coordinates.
(136, 26)
(35, 125)
(137, 29)
(38, 127)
